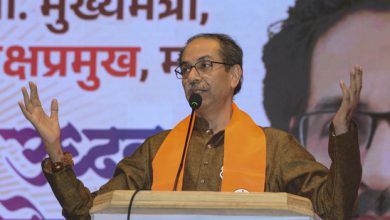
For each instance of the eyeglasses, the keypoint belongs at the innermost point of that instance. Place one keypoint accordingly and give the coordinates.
(202, 67)
(316, 125)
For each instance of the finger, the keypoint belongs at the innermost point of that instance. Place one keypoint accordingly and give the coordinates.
(34, 94)
(354, 77)
(357, 85)
(24, 111)
(54, 109)
(352, 86)
(25, 96)
(360, 79)
(345, 107)
(26, 99)
(346, 95)
(344, 90)
(360, 82)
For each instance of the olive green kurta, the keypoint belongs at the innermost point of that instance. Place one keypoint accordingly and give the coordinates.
(289, 168)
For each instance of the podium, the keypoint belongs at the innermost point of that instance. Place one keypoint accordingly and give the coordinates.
(164, 205)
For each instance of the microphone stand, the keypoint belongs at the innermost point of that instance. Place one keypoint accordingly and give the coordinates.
(186, 143)
(195, 102)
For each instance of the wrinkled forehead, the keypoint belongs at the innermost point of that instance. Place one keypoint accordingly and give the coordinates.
(201, 48)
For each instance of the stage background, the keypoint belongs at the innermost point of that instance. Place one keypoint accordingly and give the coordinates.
(111, 67)
(107, 116)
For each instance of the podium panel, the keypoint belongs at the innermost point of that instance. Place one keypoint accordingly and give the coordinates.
(161, 205)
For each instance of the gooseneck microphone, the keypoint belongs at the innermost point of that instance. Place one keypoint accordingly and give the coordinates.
(195, 102)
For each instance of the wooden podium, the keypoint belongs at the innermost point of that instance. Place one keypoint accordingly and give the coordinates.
(163, 205)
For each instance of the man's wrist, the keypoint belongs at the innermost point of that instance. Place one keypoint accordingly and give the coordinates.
(56, 157)
(54, 151)
(340, 128)
(52, 167)
(57, 166)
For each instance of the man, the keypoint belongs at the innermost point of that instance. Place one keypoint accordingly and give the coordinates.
(318, 41)
(225, 146)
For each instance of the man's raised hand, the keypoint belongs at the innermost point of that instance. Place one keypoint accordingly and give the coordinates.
(47, 127)
(351, 97)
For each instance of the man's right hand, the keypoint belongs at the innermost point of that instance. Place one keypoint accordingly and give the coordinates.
(47, 127)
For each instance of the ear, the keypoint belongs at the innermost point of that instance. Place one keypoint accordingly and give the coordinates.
(236, 73)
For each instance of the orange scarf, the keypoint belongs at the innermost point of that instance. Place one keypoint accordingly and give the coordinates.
(244, 161)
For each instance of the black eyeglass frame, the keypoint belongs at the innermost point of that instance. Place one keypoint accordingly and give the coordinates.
(179, 74)
(374, 118)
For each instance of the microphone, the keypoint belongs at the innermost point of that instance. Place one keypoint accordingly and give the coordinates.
(195, 101)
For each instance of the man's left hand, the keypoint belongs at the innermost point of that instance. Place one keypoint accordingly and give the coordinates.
(351, 96)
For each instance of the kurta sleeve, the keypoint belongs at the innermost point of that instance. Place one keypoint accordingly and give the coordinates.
(332, 192)
(132, 172)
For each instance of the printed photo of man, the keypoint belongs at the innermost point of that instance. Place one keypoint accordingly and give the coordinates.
(314, 46)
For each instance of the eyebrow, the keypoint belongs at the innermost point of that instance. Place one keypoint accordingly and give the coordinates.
(205, 57)
(333, 103)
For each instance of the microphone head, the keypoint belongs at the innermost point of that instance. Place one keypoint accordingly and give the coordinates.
(195, 101)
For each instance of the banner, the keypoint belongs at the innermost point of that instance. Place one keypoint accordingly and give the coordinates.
(111, 66)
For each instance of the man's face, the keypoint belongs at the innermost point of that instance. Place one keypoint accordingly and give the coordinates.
(215, 85)
(362, 38)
